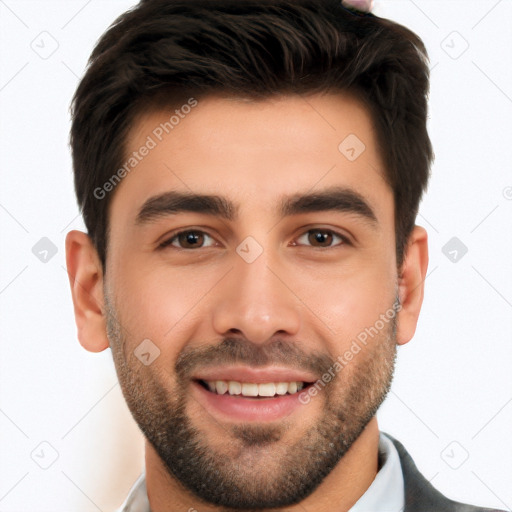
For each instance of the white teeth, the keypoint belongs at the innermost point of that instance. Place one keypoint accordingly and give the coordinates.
(221, 386)
(234, 388)
(249, 389)
(268, 389)
(281, 388)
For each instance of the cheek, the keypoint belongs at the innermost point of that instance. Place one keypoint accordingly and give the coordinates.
(351, 300)
(160, 303)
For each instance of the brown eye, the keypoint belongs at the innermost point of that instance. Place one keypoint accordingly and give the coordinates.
(322, 238)
(191, 239)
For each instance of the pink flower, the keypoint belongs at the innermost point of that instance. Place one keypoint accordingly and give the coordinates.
(359, 5)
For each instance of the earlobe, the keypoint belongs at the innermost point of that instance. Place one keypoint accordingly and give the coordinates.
(86, 281)
(411, 284)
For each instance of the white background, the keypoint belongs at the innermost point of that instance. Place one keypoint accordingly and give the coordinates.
(452, 394)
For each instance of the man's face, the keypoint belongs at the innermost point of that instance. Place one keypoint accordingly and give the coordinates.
(260, 288)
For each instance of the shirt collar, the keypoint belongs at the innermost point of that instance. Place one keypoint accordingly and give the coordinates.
(385, 494)
(137, 500)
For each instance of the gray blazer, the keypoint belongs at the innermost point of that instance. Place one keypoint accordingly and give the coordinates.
(420, 495)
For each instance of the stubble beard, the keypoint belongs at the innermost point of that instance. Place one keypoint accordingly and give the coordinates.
(256, 468)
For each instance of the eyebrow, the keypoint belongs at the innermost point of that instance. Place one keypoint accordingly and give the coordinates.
(341, 199)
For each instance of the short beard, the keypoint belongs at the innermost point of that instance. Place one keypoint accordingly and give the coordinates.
(256, 471)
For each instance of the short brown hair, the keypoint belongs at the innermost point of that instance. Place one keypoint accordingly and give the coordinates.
(163, 50)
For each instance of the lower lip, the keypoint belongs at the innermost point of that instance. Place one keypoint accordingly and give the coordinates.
(237, 408)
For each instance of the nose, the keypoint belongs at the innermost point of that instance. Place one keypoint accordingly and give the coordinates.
(255, 301)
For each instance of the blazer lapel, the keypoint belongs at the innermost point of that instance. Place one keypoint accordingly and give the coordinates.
(420, 495)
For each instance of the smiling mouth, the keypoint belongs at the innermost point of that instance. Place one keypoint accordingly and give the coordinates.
(252, 389)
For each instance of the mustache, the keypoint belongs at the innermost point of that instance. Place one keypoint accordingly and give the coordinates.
(232, 351)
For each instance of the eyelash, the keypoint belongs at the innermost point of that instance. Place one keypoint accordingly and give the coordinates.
(174, 236)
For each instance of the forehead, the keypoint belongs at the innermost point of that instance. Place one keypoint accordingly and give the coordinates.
(255, 152)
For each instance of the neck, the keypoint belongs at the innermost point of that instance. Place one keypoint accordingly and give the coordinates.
(346, 483)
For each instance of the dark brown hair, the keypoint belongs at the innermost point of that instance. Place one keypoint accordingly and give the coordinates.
(165, 50)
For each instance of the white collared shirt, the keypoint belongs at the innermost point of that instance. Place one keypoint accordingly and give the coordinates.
(385, 494)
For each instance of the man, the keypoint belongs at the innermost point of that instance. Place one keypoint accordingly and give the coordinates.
(249, 172)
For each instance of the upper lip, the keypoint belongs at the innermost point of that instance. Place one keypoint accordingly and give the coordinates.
(255, 375)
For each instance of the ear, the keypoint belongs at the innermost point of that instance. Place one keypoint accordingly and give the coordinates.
(411, 284)
(86, 281)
